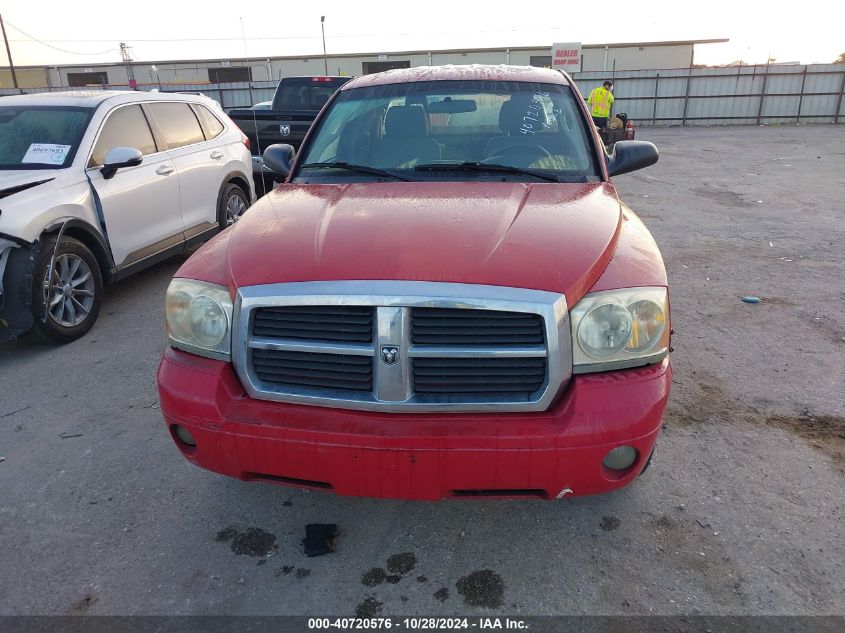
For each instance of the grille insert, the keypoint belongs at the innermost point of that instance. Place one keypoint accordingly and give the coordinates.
(321, 371)
(341, 324)
(448, 326)
(491, 377)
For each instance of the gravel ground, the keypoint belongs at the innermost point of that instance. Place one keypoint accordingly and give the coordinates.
(740, 513)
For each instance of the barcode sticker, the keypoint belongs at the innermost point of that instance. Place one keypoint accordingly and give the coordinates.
(46, 154)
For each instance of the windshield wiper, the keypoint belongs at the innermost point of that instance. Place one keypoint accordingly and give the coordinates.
(476, 166)
(362, 169)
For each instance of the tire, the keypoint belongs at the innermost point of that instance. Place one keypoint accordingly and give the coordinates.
(233, 203)
(77, 292)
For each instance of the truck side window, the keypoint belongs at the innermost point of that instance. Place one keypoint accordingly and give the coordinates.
(125, 127)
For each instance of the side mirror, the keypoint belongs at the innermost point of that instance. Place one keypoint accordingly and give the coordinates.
(118, 157)
(630, 156)
(278, 158)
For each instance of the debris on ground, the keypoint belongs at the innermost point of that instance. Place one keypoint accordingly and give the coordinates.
(751, 299)
(11, 413)
(67, 436)
(320, 538)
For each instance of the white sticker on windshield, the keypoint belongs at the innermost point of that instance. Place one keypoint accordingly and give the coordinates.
(46, 154)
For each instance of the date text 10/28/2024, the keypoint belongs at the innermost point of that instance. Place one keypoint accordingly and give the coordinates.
(417, 624)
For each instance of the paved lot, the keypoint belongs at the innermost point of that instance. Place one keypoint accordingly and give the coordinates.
(741, 512)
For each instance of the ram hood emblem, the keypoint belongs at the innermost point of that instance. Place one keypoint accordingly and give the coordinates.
(389, 354)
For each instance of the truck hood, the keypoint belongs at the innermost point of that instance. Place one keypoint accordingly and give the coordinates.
(556, 237)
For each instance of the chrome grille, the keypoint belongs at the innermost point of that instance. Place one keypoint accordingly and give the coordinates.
(402, 346)
(448, 326)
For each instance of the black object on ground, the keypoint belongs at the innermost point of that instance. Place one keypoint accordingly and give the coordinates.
(320, 538)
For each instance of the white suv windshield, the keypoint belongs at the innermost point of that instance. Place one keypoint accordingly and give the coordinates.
(40, 137)
(452, 130)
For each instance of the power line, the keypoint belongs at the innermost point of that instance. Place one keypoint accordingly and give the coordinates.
(283, 38)
(63, 50)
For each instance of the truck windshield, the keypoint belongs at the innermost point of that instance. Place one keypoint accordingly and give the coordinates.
(40, 137)
(307, 93)
(453, 130)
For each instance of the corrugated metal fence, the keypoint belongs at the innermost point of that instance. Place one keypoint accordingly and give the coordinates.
(685, 96)
(727, 95)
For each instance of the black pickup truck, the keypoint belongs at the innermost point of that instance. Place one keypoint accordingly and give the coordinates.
(295, 106)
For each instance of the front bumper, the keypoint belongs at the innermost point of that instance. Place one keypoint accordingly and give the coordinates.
(17, 263)
(416, 456)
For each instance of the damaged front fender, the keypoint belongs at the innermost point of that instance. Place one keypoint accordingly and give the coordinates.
(17, 265)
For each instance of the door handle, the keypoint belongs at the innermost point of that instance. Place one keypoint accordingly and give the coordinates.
(216, 154)
(164, 170)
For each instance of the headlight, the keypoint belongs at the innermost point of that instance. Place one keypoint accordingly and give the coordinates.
(199, 318)
(614, 329)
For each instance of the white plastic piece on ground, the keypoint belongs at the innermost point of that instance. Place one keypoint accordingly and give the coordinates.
(563, 493)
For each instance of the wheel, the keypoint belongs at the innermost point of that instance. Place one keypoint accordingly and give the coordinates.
(67, 309)
(233, 203)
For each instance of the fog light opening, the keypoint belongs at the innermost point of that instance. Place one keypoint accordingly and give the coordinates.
(183, 436)
(620, 458)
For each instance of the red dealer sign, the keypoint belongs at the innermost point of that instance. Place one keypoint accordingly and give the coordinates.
(567, 57)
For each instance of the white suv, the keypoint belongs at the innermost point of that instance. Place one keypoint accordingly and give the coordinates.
(95, 186)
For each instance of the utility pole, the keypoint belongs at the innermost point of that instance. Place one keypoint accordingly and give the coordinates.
(9, 54)
(323, 29)
(127, 59)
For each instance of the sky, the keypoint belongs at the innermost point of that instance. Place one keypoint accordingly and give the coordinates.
(89, 31)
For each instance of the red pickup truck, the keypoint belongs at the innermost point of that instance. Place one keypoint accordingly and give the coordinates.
(445, 298)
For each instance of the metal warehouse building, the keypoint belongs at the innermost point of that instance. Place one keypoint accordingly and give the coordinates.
(595, 57)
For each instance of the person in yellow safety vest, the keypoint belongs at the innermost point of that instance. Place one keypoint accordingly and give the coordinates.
(600, 102)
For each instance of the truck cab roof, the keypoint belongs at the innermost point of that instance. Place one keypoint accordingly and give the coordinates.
(460, 73)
